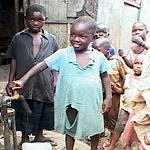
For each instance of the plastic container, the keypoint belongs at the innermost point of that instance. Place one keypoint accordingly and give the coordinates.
(36, 146)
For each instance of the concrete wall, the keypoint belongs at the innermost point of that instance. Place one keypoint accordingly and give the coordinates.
(145, 14)
(110, 13)
(120, 17)
(129, 16)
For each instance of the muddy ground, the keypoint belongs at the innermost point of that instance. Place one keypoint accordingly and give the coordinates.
(4, 70)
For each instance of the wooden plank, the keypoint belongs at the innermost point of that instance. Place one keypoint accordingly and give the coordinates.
(16, 15)
(61, 33)
(25, 5)
(73, 7)
(56, 9)
(91, 7)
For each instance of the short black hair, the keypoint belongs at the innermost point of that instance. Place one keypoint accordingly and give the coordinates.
(87, 20)
(103, 25)
(142, 23)
(34, 8)
(100, 42)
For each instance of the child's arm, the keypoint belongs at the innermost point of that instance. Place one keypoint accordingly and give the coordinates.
(127, 62)
(138, 40)
(116, 89)
(107, 89)
(55, 75)
(18, 84)
(12, 73)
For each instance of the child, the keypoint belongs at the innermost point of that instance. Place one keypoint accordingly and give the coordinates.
(117, 71)
(131, 86)
(28, 48)
(139, 91)
(139, 32)
(102, 45)
(102, 31)
(82, 71)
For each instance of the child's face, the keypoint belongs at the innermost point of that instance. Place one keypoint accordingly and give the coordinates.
(139, 30)
(35, 21)
(103, 49)
(80, 36)
(137, 67)
(101, 32)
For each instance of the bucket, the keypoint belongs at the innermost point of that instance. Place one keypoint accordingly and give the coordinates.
(36, 146)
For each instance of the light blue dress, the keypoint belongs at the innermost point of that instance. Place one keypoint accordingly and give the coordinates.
(81, 88)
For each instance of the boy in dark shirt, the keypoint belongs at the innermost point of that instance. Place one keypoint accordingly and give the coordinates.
(27, 48)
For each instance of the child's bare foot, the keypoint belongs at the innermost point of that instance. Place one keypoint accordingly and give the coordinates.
(109, 147)
(106, 144)
(43, 139)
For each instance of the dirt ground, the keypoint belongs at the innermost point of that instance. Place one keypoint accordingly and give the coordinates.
(4, 69)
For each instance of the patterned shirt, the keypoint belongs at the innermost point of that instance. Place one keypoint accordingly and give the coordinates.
(117, 71)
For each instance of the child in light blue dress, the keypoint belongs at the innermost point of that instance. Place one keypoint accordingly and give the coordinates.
(79, 104)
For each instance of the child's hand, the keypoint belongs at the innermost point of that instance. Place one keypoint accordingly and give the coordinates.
(137, 39)
(9, 89)
(121, 52)
(113, 86)
(107, 105)
(147, 139)
(16, 85)
(116, 89)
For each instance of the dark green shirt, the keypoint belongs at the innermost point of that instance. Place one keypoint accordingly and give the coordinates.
(39, 87)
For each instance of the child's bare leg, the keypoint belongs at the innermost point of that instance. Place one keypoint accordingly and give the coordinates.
(24, 138)
(94, 142)
(39, 136)
(69, 142)
(114, 139)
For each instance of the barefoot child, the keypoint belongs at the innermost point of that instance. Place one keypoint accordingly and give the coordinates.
(117, 71)
(82, 72)
(139, 93)
(28, 48)
(132, 87)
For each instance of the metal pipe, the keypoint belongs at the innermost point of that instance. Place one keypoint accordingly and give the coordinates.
(24, 104)
(7, 144)
(6, 100)
(6, 116)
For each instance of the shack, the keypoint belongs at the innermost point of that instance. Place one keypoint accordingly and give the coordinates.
(119, 15)
(11, 21)
(60, 15)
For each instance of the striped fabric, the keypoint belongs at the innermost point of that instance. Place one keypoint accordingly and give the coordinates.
(42, 117)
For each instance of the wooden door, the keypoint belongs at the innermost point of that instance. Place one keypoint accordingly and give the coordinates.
(60, 15)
